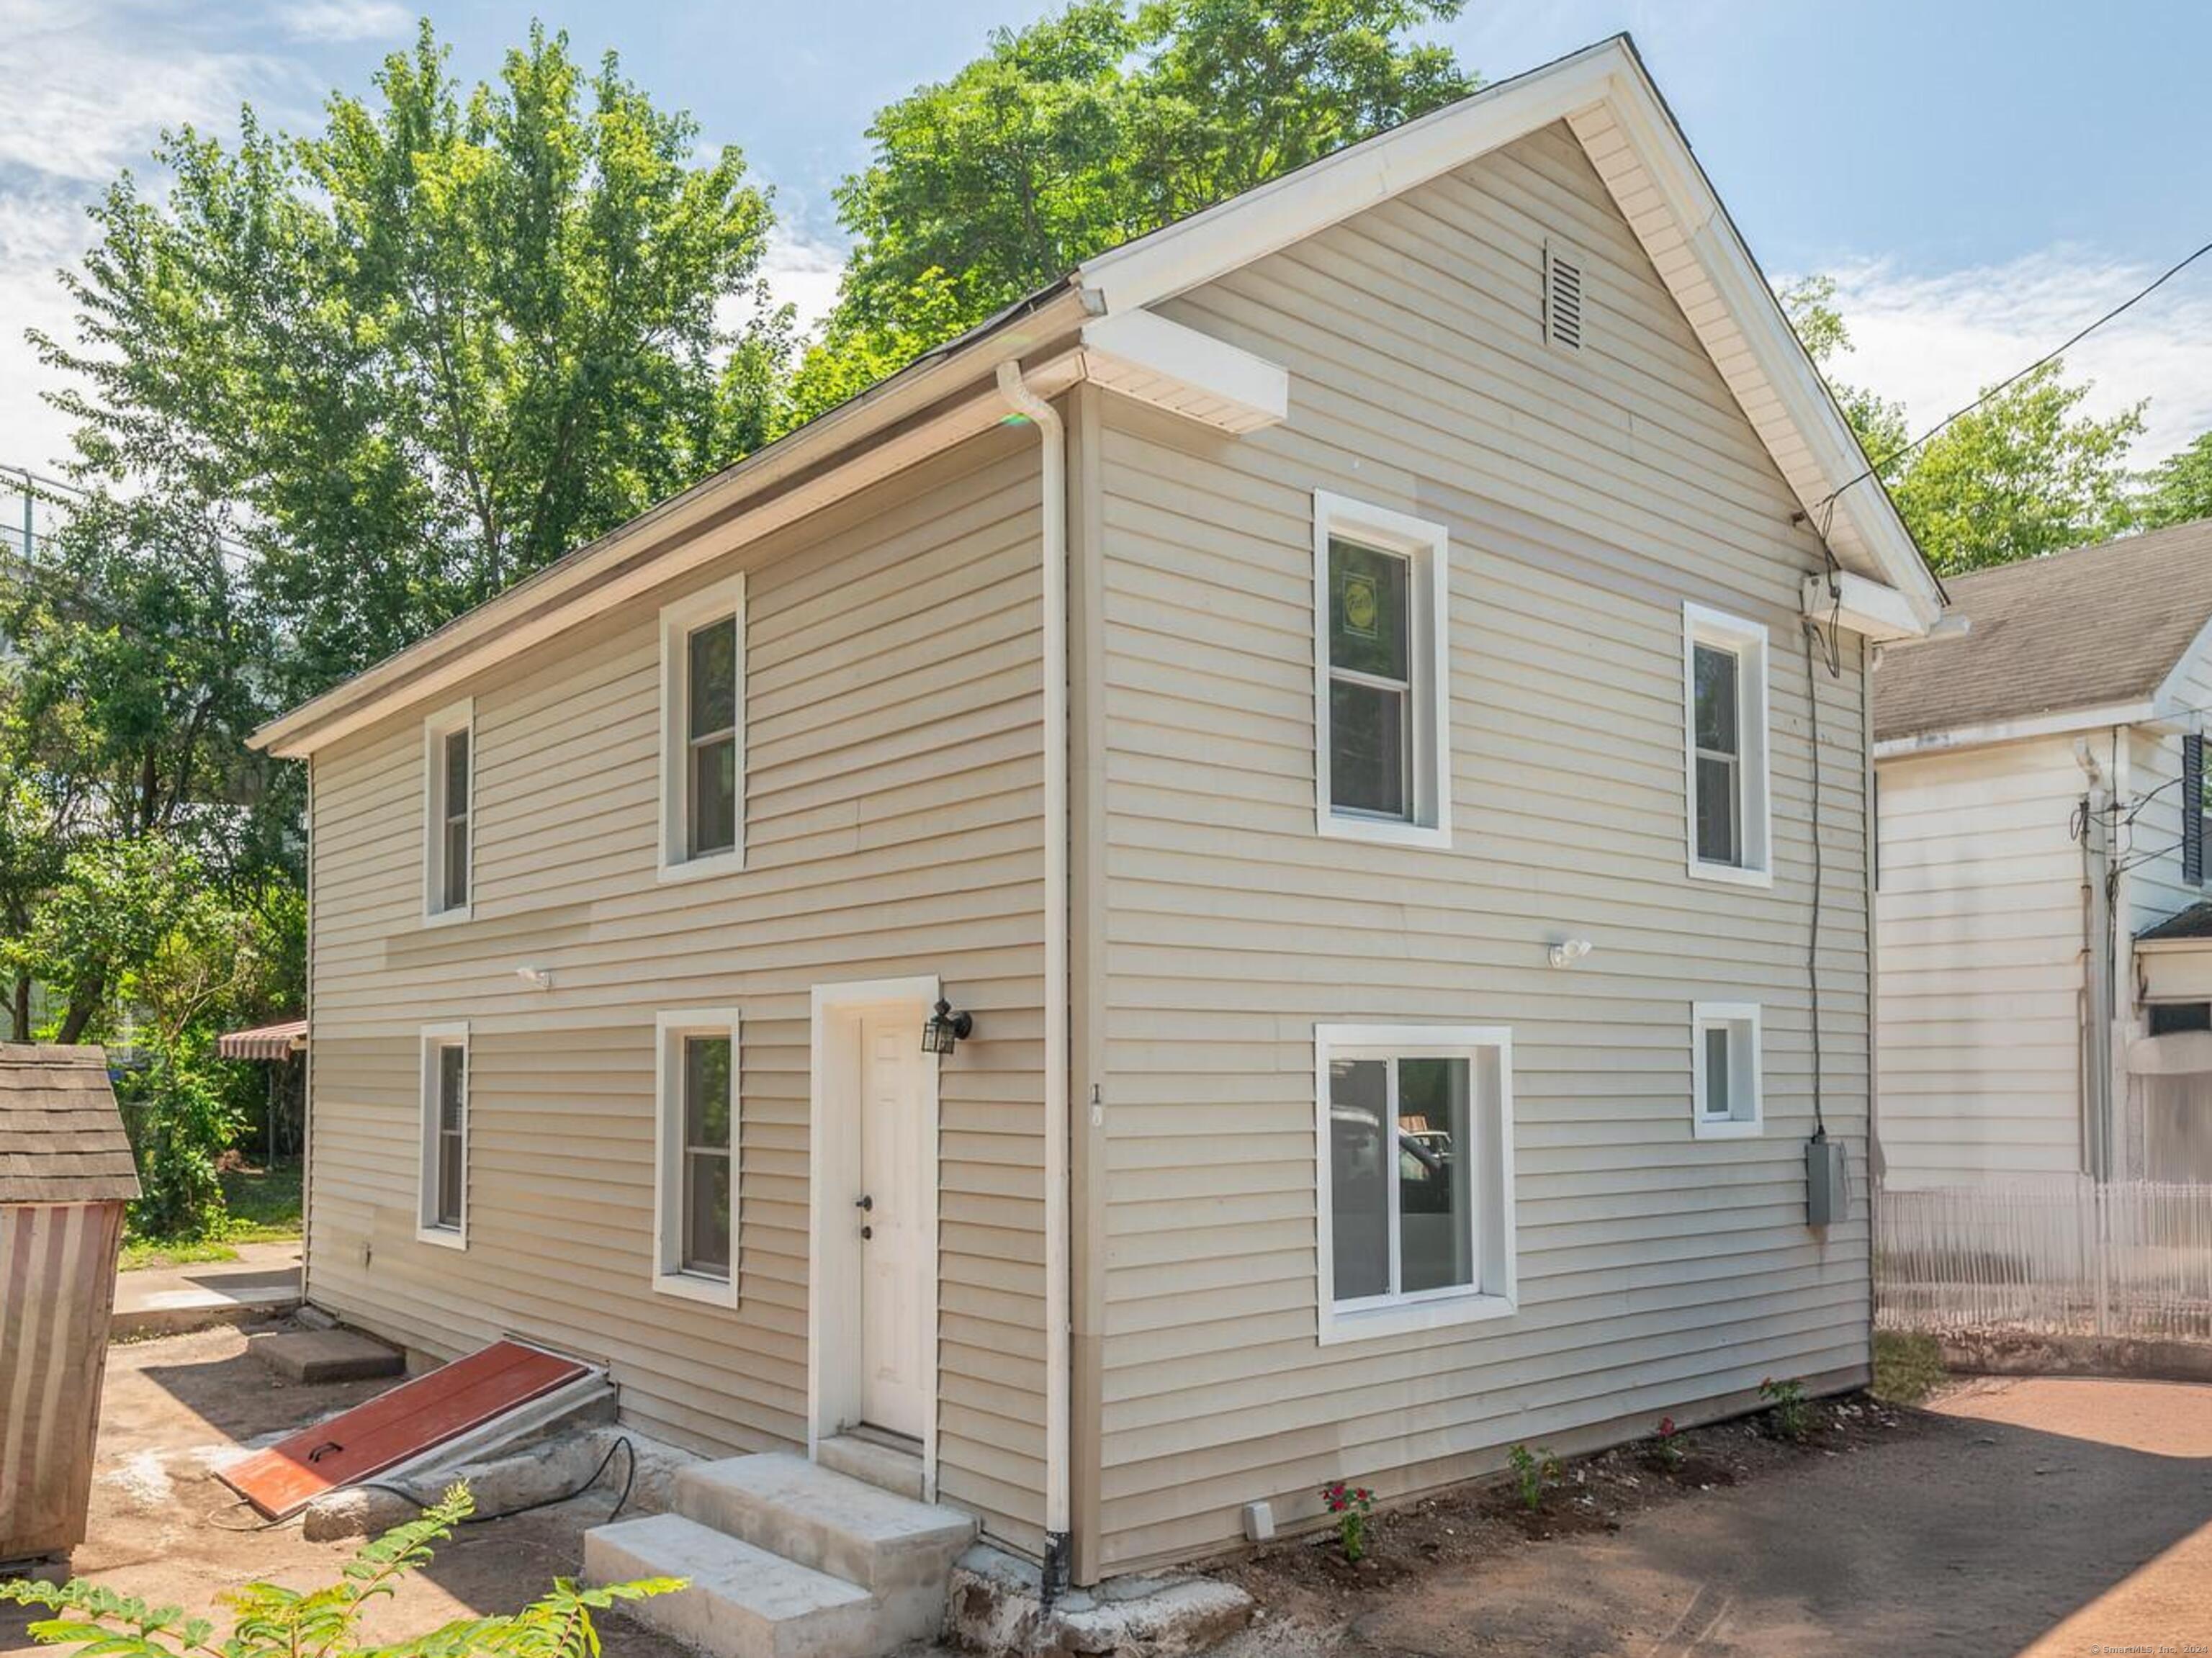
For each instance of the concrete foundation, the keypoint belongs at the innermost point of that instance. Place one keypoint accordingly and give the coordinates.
(996, 1611)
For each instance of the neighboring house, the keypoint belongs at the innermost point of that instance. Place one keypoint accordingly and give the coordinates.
(2045, 956)
(1327, 689)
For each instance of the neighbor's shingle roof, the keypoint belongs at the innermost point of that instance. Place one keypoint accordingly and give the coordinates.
(61, 1137)
(2195, 922)
(2069, 630)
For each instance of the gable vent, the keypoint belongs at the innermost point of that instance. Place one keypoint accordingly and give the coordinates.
(1563, 296)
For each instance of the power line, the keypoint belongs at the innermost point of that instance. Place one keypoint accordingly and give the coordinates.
(2050, 356)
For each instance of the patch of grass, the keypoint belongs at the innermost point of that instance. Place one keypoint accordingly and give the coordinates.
(140, 1253)
(261, 1206)
(1908, 1367)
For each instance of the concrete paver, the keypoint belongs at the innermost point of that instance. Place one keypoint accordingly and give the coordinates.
(263, 1282)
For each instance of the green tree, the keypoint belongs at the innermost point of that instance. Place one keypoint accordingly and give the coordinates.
(2023, 474)
(1878, 424)
(1088, 127)
(430, 348)
(2178, 489)
(122, 714)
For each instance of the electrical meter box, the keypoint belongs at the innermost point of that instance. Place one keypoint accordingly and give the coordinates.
(1827, 1192)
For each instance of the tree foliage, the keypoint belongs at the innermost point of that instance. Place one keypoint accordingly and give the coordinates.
(1091, 127)
(2023, 474)
(429, 349)
(268, 1620)
(2178, 489)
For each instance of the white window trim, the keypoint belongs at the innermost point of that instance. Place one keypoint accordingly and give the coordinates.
(1428, 648)
(459, 716)
(427, 1230)
(669, 1276)
(1748, 640)
(1706, 1015)
(1430, 1310)
(678, 620)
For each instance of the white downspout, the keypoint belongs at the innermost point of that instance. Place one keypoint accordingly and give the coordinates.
(1057, 1278)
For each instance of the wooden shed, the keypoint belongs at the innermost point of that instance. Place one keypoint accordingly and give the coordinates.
(65, 1174)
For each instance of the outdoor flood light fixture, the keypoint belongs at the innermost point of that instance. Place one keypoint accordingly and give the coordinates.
(945, 1027)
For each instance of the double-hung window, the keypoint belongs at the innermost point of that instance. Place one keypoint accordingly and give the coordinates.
(695, 1182)
(1414, 1127)
(442, 1175)
(1724, 716)
(1382, 682)
(703, 700)
(448, 805)
(1724, 1069)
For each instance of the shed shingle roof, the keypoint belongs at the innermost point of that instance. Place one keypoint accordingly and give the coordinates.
(61, 1137)
(2069, 630)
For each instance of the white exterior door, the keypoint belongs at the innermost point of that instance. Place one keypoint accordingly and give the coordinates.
(898, 1254)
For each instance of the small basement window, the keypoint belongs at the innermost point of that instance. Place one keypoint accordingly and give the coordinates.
(442, 1176)
(1381, 674)
(1415, 1187)
(703, 700)
(1724, 700)
(1725, 1070)
(696, 1162)
(448, 804)
(2179, 1018)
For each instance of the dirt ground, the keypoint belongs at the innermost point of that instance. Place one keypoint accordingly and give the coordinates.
(2036, 1517)
(2043, 1518)
(163, 1528)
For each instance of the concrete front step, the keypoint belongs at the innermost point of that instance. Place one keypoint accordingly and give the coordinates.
(900, 1551)
(741, 1601)
(885, 1467)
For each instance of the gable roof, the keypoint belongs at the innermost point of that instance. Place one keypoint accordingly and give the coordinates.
(61, 1137)
(2096, 630)
(1604, 95)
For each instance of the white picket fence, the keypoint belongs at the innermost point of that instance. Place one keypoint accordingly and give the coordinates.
(2065, 1258)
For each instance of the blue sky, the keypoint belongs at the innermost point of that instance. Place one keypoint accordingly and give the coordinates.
(1981, 177)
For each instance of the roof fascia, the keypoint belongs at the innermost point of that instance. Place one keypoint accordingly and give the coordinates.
(806, 466)
(2102, 717)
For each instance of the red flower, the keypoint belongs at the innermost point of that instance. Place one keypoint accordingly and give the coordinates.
(1666, 1427)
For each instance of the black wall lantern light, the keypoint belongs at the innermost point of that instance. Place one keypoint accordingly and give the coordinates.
(945, 1027)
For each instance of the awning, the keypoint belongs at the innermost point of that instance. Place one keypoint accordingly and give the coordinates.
(264, 1042)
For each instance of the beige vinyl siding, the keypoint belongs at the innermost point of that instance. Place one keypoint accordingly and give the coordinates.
(1587, 496)
(1979, 921)
(893, 799)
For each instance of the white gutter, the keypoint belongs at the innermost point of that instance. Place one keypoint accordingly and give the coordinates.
(2014, 731)
(1058, 1281)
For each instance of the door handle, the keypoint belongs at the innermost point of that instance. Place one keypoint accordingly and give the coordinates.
(866, 1232)
(865, 1203)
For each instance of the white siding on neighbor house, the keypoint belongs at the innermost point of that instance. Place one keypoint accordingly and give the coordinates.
(892, 800)
(2152, 844)
(1587, 494)
(1979, 922)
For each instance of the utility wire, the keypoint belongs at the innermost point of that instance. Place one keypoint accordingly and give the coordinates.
(2052, 355)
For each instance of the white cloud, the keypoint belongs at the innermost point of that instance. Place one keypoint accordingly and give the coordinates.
(39, 232)
(1934, 341)
(344, 20)
(802, 270)
(96, 84)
